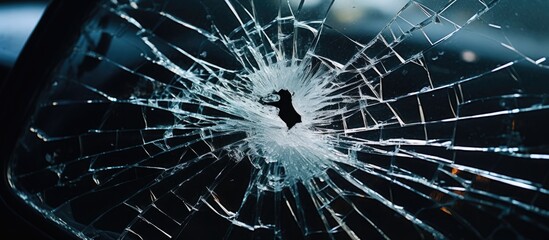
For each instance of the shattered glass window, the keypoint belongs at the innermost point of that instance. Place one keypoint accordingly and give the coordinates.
(288, 119)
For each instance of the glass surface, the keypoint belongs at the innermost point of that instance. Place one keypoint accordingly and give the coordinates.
(249, 119)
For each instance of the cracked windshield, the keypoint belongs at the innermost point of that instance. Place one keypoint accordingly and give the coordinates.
(288, 119)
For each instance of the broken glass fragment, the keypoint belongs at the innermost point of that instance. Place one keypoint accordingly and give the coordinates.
(248, 119)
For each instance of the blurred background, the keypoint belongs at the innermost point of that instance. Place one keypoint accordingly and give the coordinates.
(17, 20)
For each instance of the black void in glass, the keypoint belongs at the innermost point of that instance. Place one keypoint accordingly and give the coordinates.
(287, 112)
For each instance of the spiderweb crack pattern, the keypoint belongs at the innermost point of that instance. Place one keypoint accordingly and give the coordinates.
(428, 125)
